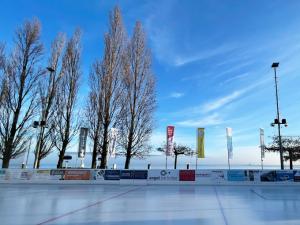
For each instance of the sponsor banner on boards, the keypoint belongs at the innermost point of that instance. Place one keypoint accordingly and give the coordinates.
(97, 174)
(209, 175)
(134, 174)
(57, 174)
(41, 175)
(112, 175)
(77, 175)
(268, 176)
(2, 174)
(237, 175)
(187, 175)
(163, 175)
(285, 175)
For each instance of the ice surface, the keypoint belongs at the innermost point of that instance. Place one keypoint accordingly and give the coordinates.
(148, 205)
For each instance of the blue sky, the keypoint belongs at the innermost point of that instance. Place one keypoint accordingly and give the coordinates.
(211, 59)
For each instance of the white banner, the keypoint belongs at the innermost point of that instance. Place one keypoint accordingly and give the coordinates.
(113, 134)
(163, 175)
(229, 142)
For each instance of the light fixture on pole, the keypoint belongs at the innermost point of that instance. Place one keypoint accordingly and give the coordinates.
(277, 120)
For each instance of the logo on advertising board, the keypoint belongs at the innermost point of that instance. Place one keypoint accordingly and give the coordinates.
(112, 175)
(163, 175)
(170, 140)
(134, 174)
(26, 175)
(98, 174)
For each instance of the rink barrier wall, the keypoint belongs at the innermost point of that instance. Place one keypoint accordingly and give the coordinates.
(151, 177)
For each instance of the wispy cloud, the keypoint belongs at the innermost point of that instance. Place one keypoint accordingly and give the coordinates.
(176, 95)
(181, 59)
(220, 102)
(210, 120)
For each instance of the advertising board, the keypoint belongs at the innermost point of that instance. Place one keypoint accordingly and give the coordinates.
(97, 174)
(112, 175)
(187, 175)
(285, 175)
(209, 176)
(163, 175)
(2, 174)
(296, 175)
(41, 175)
(253, 175)
(268, 176)
(77, 175)
(57, 174)
(134, 174)
(237, 175)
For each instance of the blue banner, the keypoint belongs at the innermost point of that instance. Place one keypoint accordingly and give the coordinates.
(134, 174)
(112, 175)
(284, 175)
(237, 175)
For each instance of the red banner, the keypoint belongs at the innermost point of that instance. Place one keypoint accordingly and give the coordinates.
(187, 175)
(77, 175)
(170, 137)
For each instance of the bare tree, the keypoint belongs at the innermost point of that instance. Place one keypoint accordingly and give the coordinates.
(21, 75)
(47, 93)
(179, 149)
(66, 123)
(105, 96)
(2, 76)
(138, 99)
(94, 112)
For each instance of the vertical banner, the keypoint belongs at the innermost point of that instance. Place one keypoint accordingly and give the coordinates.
(262, 142)
(200, 142)
(170, 140)
(82, 142)
(112, 142)
(229, 142)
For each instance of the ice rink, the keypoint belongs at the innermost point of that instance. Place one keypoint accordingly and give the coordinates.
(137, 205)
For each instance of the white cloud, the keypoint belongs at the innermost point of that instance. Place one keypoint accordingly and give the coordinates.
(210, 120)
(176, 95)
(218, 103)
(181, 59)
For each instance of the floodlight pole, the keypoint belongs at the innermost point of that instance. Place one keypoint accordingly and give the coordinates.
(275, 65)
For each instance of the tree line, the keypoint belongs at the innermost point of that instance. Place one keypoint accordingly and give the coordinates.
(44, 88)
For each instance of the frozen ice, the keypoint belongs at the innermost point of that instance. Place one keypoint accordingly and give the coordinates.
(148, 205)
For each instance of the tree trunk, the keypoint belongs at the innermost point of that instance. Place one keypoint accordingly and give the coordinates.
(38, 164)
(104, 149)
(94, 157)
(291, 159)
(127, 161)
(175, 163)
(60, 160)
(129, 150)
(6, 155)
(5, 161)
